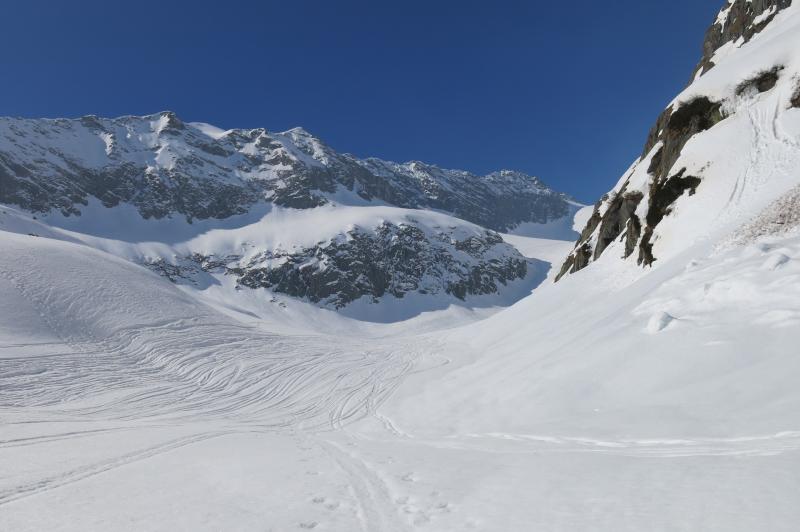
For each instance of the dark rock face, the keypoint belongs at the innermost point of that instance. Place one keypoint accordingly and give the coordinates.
(681, 125)
(616, 218)
(577, 261)
(762, 82)
(796, 97)
(394, 259)
(673, 130)
(740, 22)
(663, 193)
(167, 168)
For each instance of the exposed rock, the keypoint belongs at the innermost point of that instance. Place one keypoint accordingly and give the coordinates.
(663, 194)
(591, 224)
(796, 97)
(576, 261)
(672, 130)
(165, 167)
(615, 219)
(393, 259)
(646, 257)
(632, 233)
(741, 19)
(656, 132)
(689, 119)
(737, 21)
(762, 82)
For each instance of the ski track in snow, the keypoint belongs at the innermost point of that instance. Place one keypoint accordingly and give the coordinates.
(179, 372)
(664, 448)
(377, 511)
(80, 473)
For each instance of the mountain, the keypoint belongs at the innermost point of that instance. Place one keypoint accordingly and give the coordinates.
(165, 167)
(718, 153)
(342, 229)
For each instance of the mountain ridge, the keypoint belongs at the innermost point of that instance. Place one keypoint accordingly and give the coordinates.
(166, 167)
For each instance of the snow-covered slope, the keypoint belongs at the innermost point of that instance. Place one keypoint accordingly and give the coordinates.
(724, 149)
(333, 256)
(622, 398)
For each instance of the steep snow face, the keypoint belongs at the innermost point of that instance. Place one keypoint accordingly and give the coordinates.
(736, 24)
(723, 150)
(165, 167)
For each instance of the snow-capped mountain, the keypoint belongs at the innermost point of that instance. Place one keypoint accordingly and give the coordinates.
(368, 229)
(718, 154)
(165, 167)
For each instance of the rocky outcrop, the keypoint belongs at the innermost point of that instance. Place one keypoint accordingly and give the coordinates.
(392, 259)
(741, 19)
(576, 261)
(615, 216)
(762, 82)
(165, 167)
(674, 128)
(795, 101)
(663, 194)
(679, 126)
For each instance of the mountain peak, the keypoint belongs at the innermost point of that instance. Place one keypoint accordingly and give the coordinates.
(164, 167)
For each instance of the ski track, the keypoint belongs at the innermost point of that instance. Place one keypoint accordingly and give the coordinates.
(376, 509)
(768, 445)
(183, 373)
(83, 472)
(179, 372)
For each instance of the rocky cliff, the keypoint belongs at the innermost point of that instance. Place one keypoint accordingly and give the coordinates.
(665, 173)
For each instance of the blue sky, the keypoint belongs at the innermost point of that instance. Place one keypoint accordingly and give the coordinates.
(562, 90)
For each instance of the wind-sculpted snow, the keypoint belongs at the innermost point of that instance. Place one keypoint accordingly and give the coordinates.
(165, 168)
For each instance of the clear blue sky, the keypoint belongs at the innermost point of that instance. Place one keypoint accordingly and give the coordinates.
(565, 90)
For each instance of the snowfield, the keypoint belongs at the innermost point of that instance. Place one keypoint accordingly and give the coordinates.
(129, 403)
(621, 398)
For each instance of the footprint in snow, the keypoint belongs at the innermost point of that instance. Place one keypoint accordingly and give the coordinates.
(309, 525)
(659, 321)
(775, 261)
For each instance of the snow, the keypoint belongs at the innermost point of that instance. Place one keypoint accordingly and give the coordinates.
(207, 129)
(583, 406)
(619, 399)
